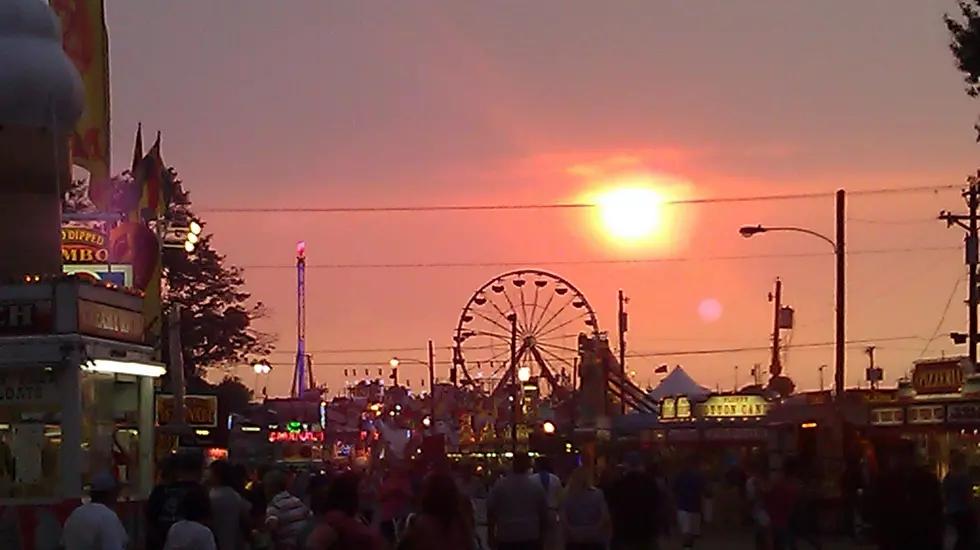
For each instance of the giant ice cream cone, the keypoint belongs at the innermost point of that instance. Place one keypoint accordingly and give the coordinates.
(41, 99)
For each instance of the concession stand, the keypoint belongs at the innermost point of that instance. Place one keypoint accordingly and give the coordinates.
(938, 408)
(76, 399)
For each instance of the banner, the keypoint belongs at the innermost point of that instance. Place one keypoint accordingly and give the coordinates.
(86, 41)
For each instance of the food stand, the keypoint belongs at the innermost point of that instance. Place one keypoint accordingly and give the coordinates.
(76, 393)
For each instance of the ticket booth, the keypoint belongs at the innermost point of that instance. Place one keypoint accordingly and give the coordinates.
(76, 399)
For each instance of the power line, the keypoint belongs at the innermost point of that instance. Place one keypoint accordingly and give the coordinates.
(942, 318)
(653, 354)
(641, 261)
(550, 206)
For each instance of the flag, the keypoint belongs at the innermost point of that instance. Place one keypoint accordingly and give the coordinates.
(662, 369)
(86, 41)
(150, 177)
(138, 148)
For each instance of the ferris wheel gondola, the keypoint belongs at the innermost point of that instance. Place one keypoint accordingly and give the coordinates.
(545, 312)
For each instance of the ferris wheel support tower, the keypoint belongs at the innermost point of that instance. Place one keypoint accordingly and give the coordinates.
(302, 376)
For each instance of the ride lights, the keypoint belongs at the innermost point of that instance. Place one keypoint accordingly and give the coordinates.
(548, 427)
(192, 236)
(427, 421)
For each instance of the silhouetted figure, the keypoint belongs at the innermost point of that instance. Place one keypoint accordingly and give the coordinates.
(908, 505)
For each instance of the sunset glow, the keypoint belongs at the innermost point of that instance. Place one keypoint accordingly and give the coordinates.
(631, 215)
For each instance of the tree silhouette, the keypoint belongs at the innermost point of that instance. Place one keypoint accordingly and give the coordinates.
(964, 33)
(216, 324)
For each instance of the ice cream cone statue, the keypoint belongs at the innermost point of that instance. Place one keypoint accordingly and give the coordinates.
(41, 99)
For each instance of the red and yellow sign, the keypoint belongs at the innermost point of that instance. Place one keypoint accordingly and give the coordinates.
(201, 411)
(81, 245)
(86, 42)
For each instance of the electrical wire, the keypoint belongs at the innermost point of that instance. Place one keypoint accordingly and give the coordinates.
(550, 206)
(942, 318)
(653, 354)
(640, 261)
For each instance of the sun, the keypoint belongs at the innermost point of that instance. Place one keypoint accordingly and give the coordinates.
(631, 214)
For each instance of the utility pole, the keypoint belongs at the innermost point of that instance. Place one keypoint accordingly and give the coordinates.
(514, 390)
(432, 384)
(735, 388)
(840, 284)
(623, 300)
(872, 375)
(969, 223)
(775, 366)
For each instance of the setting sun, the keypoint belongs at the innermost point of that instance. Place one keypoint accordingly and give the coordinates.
(631, 214)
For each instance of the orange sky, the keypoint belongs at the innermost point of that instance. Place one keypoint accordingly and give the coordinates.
(448, 102)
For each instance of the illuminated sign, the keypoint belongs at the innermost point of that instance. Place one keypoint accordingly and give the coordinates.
(295, 437)
(926, 414)
(888, 416)
(675, 408)
(941, 376)
(727, 406)
(201, 411)
(82, 245)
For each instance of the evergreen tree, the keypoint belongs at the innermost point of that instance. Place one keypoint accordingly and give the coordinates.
(965, 45)
(216, 325)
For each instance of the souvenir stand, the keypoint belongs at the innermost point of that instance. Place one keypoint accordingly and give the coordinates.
(76, 399)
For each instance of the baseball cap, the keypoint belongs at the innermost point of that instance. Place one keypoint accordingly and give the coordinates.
(103, 482)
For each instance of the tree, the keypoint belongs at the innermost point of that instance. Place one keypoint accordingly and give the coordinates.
(216, 325)
(965, 45)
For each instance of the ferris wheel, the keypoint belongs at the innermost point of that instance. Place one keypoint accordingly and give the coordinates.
(543, 312)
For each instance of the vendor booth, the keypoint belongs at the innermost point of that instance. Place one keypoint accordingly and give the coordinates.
(76, 399)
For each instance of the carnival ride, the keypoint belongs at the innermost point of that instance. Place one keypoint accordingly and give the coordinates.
(525, 321)
(536, 326)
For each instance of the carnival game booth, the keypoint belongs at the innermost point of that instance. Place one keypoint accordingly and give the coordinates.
(76, 399)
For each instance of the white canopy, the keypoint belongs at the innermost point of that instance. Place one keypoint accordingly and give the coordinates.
(678, 384)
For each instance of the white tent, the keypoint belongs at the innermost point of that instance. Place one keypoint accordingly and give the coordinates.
(678, 384)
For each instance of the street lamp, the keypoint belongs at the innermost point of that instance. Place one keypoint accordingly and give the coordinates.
(524, 374)
(548, 427)
(837, 244)
(260, 367)
(431, 365)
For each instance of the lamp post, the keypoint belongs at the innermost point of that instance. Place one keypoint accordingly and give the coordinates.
(431, 365)
(837, 244)
(261, 368)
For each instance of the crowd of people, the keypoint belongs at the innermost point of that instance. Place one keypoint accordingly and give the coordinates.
(634, 505)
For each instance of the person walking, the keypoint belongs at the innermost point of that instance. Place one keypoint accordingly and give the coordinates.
(232, 513)
(958, 496)
(183, 475)
(907, 505)
(634, 500)
(95, 524)
(545, 476)
(689, 495)
(441, 523)
(285, 514)
(517, 510)
(192, 531)
(584, 514)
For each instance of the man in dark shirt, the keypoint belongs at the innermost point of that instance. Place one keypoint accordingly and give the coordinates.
(634, 506)
(908, 505)
(162, 508)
